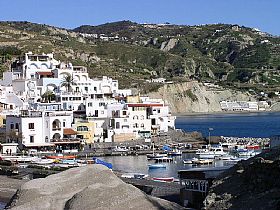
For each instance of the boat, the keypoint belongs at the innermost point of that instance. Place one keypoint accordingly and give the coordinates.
(163, 179)
(60, 156)
(155, 166)
(203, 161)
(155, 155)
(175, 152)
(40, 161)
(189, 161)
(102, 162)
(134, 176)
(246, 153)
(18, 159)
(211, 152)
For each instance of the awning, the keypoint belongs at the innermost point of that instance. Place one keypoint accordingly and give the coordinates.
(45, 73)
(69, 131)
(67, 142)
(40, 145)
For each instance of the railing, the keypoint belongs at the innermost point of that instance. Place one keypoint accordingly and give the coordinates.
(56, 129)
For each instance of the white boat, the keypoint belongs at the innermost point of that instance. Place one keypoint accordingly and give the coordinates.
(211, 152)
(19, 159)
(134, 176)
(189, 161)
(246, 153)
(40, 161)
(175, 152)
(154, 166)
(156, 155)
(203, 162)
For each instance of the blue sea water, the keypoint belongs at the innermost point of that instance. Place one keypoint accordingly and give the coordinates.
(263, 124)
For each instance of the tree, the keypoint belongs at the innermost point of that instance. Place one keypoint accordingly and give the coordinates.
(48, 96)
(68, 82)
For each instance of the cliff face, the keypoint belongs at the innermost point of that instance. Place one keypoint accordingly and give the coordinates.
(193, 97)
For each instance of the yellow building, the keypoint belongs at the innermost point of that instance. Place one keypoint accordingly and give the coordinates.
(85, 130)
(2, 120)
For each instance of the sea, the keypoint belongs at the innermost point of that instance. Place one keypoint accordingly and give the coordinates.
(261, 124)
(255, 125)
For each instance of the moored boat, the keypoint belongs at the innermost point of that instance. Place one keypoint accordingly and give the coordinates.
(154, 166)
(163, 179)
(60, 156)
(134, 176)
(156, 155)
(211, 152)
(175, 152)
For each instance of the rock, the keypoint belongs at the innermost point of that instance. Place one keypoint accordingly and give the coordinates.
(88, 187)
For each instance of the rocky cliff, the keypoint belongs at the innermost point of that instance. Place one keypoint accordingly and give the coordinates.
(192, 97)
(251, 184)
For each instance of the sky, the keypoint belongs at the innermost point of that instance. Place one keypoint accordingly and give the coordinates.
(261, 14)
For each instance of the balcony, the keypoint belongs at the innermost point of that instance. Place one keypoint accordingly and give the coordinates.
(56, 129)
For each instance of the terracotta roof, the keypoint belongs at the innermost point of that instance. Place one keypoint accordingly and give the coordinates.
(69, 131)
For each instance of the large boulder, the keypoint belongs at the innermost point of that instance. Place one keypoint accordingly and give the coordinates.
(88, 187)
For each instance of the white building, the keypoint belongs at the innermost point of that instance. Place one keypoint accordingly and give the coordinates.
(38, 128)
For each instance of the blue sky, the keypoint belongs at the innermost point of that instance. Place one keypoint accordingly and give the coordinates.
(262, 14)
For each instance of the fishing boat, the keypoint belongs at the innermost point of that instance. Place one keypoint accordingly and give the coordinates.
(163, 179)
(60, 156)
(203, 162)
(155, 166)
(40, 161)
(134, 176)
(175, 152)
(156, 155)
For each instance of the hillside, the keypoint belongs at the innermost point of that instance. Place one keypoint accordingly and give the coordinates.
(133, 53)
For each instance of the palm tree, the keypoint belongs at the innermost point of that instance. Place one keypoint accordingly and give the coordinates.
(48, 96)
(68, 82)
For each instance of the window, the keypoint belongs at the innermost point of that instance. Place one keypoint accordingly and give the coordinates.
(95, 88)
(17, 125)
(12, 126)
(142, 117)
(158, 111)
(86, 88)
(64, 124)
(90, 104)
(124, 112)
(142, 125)
(46, 139)
(31, 138)
(31, 125)
(117, 125)
(135, 117)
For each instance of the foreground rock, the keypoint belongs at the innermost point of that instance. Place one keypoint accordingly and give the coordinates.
(89, 187)
(251, 184)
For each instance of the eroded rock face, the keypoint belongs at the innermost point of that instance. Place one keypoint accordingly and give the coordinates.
(88, 187)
